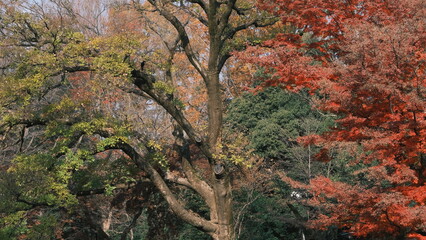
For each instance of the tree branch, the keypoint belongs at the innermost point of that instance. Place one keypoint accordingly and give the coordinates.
(202, 4)
(145, 83)
(241, 11)
(222, 60)
(183, 38)
(176, 206)
(131, 225)
(199, 17)
(178, 180)
(224, 20)
(32, 204)
(199, 185)
(255, 22)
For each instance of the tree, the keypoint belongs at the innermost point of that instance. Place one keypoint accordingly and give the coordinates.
(272, 120)
(64, 96)
(367, 64)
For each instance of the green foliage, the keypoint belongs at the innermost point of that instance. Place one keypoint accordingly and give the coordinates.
(245, 112)
(164, 87)
(234, 150)
(178, 103)
(266, 216)
(13, 225)
(29, 78)
(76, 51)
(106, 55)
(156, 155)
(9, 190)
(113, 51)
(194, 202)
(104, 172)
(43, 179)
(109, 189)
(110, 142)
(269, 139)
(188, 232)
(273, 119)
(44, 227)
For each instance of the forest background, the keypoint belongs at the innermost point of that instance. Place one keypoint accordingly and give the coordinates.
(195, 119)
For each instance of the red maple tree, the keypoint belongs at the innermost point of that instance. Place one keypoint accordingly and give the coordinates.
(367, 60)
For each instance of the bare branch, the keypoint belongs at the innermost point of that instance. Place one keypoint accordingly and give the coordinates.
(255, 23)
(145, 83)
(202, 4)
(183, 38)
(199, 17)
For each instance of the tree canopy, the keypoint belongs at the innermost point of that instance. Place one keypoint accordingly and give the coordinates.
(212, 119)
(366, 63)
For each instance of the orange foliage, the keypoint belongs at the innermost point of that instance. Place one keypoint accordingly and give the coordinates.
(367, 61)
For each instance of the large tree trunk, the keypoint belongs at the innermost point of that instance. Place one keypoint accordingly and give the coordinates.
(221, 213)
(223, 210)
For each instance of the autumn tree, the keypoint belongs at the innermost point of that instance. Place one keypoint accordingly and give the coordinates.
(365, 61)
